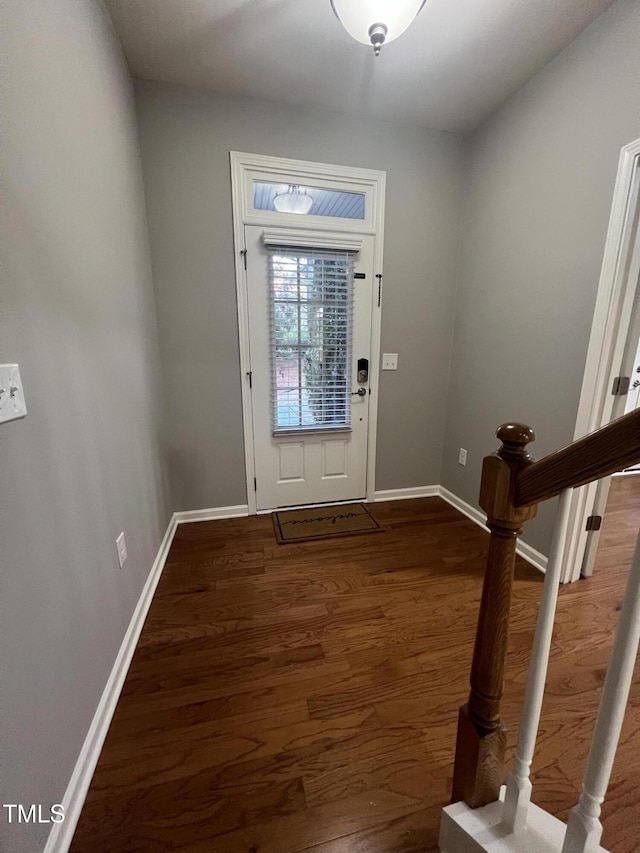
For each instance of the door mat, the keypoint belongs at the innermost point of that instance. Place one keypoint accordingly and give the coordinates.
(301, 525)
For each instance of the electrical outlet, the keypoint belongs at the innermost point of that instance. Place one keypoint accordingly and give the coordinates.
(12, 403)
(462, 456)
(121, 545)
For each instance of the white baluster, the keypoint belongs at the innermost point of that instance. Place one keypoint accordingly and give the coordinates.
(518, 794)
(584, 828)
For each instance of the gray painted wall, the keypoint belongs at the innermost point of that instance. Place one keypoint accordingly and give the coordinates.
(186, 136)
(78, 315)
(540, 185)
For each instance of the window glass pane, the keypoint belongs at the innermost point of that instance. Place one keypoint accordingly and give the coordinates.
(311, 296)
(311, 201)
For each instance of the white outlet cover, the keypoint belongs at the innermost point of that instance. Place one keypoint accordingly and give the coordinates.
(121, 545)
(12, 403)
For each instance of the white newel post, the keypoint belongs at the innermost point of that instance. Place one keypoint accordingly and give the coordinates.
(518, 793)
(584, 828)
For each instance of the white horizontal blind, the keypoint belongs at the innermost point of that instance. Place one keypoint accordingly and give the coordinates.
(311, 306)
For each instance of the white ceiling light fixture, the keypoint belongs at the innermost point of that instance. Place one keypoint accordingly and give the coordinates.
(376, 22)
(293, 200)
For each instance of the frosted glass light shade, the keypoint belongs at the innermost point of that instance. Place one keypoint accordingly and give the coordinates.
(358, 17)
(294, 200)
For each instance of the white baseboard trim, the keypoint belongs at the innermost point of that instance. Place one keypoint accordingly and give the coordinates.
(212, 514)
(471, 512)
(241, 510)
(537, 560)
(61, 834)
(404, 494)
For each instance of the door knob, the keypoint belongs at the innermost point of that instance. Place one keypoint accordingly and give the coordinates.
(359, 393)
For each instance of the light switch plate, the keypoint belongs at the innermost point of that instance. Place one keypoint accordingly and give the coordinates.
(12, 404)
(389, 360)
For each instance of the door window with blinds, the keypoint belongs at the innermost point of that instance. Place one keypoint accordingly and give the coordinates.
(311, 305)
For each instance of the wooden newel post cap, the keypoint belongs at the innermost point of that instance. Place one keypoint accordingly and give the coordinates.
(514, 438)
(499, 471)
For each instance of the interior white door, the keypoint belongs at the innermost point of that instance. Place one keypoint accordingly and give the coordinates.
(633, 397)
(630, 366)
(310, 330)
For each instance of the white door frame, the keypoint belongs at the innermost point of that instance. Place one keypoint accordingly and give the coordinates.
(245, 169)
(609, 331)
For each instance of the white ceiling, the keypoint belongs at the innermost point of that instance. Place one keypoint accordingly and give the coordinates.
(453, 66)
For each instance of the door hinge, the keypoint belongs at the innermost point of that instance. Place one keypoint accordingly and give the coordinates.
(620, 386)
(255, 484)
(243, 252)
(594, 522)
(250, 375)
(379, 277)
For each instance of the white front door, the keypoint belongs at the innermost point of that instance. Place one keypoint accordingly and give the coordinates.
(310, 347)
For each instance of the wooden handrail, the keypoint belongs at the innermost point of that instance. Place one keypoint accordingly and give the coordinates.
(512, 486)
(610, 449)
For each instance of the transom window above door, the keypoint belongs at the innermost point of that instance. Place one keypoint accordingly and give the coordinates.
(308, 200)
(287, 193)
(311, 306)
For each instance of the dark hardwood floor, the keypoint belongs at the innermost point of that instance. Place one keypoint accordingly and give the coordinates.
(620, 523)
(304, 696)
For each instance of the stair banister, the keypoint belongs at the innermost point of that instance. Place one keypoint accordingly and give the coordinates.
(518, 793)
(480, 744)
(584, 828)
(512, 485)
(599, 454)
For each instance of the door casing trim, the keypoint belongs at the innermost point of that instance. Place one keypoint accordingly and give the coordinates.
(609, 330)
(245, 168)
